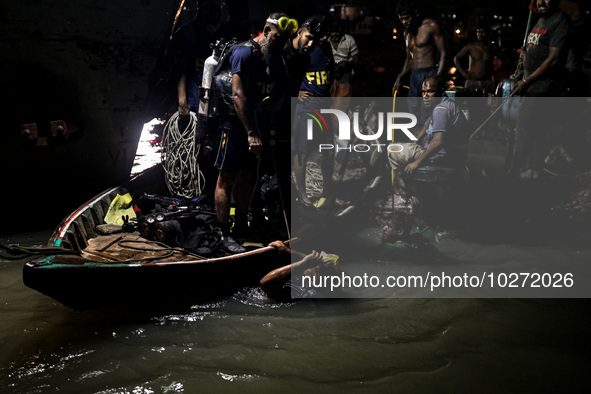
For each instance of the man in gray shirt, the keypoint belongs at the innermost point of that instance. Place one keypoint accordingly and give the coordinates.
(442, 140)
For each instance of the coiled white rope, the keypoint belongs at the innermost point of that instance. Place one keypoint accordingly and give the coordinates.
(314, 184)
(179, 158)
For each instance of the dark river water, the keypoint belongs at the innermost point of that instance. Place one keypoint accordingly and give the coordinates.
(248, 343)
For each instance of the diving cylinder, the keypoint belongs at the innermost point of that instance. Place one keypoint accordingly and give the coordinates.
(208, 69)
(511, 106)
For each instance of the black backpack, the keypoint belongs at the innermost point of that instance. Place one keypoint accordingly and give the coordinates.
(223, 103)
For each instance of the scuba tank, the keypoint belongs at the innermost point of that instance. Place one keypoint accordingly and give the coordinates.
(511, 106)
(209, 68)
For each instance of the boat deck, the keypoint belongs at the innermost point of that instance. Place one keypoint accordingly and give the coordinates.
(130, 246)
(126, 247)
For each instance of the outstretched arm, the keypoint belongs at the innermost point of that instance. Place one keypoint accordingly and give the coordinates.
(274, 282)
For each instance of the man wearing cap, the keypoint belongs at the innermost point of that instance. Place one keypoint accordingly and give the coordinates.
(316, 84)
(297, 51)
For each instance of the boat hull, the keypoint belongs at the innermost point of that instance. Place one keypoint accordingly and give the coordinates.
(91, 285)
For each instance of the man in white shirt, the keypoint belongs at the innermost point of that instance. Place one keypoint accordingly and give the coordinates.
(345, 51)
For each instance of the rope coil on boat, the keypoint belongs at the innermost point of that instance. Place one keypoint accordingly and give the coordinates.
(179, 158)
(162, 248)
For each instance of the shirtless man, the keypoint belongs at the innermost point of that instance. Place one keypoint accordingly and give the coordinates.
(426, 52)
(480, 67)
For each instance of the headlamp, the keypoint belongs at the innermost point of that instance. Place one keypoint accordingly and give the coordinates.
(316, 27)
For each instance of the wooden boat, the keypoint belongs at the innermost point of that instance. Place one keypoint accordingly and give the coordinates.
(102, 270)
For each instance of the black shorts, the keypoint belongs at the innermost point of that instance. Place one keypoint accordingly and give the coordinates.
(233, 153)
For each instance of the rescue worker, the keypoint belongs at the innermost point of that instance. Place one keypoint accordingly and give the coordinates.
(255, 70)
